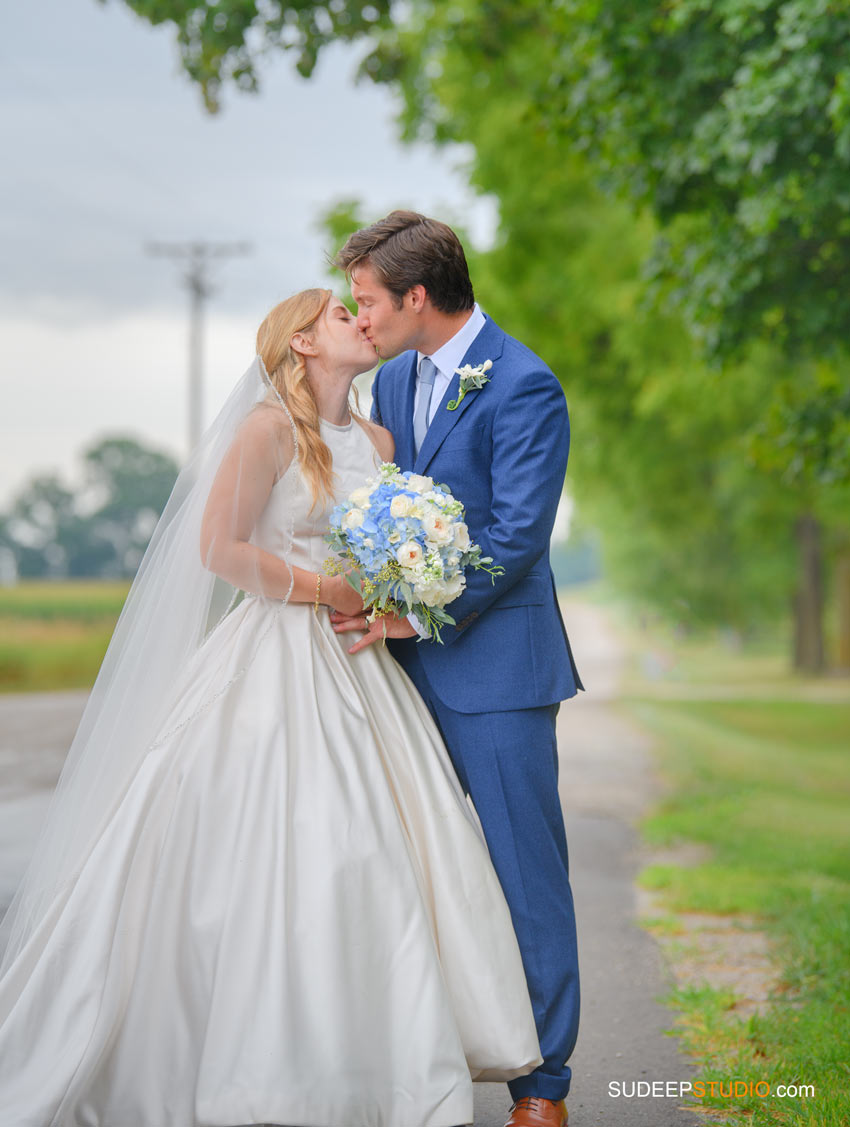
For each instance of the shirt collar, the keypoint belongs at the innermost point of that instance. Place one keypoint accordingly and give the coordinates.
(447, 358)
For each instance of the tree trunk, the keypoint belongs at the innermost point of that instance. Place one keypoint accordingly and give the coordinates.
(808, 598)
(842, 591)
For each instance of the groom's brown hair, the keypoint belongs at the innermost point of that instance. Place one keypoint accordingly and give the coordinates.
(407, 249)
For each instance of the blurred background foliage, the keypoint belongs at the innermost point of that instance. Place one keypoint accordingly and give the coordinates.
(97, 529)
(674, 233)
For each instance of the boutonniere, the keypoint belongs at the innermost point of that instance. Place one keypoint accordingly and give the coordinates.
(470, 380)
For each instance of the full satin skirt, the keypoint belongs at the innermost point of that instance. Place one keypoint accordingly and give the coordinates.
(290, 918)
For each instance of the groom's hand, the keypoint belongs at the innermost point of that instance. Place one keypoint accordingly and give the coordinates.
(391, 626)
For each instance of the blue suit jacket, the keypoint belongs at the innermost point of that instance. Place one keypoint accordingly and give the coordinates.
(503, 453)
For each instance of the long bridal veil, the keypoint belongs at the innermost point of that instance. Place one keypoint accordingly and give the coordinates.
(174, 603)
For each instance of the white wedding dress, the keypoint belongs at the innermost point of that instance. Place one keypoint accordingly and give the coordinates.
(291, 917)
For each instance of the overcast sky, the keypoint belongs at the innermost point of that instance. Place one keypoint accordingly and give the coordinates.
(105, 146)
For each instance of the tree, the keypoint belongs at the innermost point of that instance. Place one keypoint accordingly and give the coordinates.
(48, 535)
(222, 40)
(730, 120)
(130, 484)
(54, 531)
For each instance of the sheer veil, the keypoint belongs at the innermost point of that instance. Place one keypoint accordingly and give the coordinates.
(173, 605)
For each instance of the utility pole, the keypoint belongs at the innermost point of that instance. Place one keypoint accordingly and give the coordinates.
(198, 258)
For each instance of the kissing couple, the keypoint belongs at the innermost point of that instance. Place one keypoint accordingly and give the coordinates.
(290, 876)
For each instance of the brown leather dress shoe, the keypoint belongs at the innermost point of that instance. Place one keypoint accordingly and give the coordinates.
(535, 1111)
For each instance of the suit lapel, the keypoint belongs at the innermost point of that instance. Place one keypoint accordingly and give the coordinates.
(486, 346)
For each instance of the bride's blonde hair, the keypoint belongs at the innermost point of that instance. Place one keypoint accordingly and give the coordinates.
(288, 373)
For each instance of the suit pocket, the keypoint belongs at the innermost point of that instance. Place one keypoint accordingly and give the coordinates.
(531, 591)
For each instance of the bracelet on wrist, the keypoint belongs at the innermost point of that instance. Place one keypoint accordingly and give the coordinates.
(318, 591)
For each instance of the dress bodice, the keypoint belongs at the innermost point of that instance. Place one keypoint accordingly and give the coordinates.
(290, 504)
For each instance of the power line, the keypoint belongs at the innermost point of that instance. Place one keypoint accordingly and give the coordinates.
(198, 257)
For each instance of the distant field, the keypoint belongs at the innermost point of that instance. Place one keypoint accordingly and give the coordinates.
(54, 635)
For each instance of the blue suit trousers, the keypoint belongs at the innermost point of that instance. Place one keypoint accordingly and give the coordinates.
(508, 763)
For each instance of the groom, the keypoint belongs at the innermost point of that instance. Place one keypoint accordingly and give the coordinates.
(495, 684)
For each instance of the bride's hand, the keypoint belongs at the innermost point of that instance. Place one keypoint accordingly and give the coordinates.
(341, 596)
(388, 626)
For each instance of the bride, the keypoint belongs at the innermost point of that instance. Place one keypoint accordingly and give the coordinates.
(261, 896)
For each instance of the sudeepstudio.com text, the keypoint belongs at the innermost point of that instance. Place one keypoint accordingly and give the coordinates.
(706, 1089)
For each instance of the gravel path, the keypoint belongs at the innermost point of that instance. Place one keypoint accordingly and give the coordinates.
(606, 784)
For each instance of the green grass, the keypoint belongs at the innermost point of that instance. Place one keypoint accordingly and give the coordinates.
(54, 635)
(82, 600)
(762, 781)
(700, 660)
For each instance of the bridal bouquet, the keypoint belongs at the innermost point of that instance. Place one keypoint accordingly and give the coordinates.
(403, 544)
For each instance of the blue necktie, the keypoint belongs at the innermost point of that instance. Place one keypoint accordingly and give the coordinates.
(427, 375)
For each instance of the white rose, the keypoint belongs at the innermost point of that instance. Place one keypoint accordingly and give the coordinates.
(426, 591)
(400, 505)
(446, 591)
(409, 554)
(437, 527)
(353, 519)
(461, 536)
(361, 497)
(454, 586)
(420, 484)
